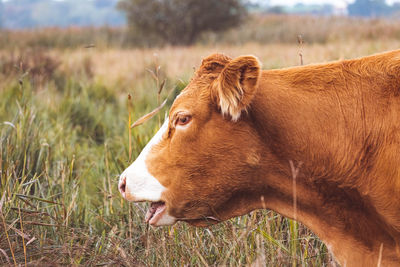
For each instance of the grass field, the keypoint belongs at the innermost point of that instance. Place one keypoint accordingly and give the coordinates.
(64, 139)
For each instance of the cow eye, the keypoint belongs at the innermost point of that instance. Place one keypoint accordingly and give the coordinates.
(183, 119)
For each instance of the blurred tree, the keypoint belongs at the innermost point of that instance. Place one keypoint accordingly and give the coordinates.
(276, 10)
(181, 21)
(369, 8)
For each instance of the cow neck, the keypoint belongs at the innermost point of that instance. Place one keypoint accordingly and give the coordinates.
(290, 121)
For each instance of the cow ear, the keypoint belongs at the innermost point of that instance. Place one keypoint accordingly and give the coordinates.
(213, 64)
(236, 85)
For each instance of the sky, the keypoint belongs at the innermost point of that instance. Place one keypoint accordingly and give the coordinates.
(338, 3)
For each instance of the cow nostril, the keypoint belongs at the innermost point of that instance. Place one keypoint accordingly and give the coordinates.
(122, 185)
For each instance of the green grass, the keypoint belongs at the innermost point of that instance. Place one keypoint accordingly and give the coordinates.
(63, 145)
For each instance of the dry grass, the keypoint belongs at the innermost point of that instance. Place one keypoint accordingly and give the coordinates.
(314, 29)
(63, 144)
(128, 67)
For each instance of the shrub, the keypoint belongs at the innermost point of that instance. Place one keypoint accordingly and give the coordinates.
(181, 22)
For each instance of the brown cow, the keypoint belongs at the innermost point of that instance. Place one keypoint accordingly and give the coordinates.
(318, 143)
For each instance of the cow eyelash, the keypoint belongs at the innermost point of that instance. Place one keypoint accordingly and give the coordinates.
(182, 119)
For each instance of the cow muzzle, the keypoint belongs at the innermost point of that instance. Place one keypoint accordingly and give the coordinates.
(122, 186)
(137, 184)
(138, 188)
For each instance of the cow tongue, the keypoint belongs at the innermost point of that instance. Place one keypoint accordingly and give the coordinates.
(154, 210)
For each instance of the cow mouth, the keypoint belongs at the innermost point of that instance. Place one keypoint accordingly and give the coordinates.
(155, 212)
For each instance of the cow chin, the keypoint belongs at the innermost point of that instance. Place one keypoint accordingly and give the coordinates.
(202, 222)
(163, 219)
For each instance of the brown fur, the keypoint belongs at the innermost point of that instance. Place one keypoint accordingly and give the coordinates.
(340, 122)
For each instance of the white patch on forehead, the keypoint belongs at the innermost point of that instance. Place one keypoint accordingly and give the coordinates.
(140, 184)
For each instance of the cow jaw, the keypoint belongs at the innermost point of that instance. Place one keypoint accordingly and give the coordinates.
(138, 185)
(157, 215)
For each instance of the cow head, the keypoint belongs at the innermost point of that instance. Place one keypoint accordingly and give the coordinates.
(200, 165)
